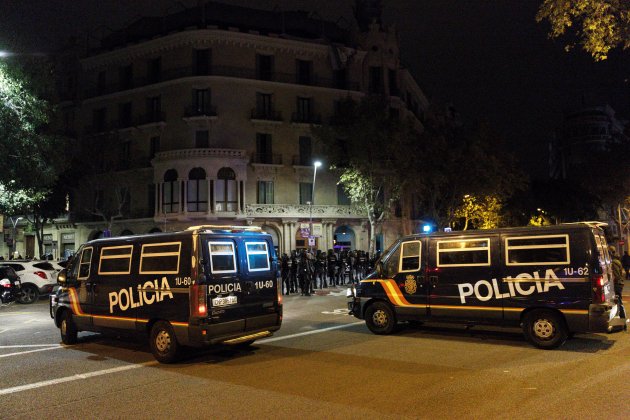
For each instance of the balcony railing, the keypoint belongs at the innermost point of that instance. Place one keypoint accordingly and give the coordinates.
(201, 153)
(266, 114)
(204, 111)
(224, 71)
(301, 160)
(267, 158)
(301, 118)
(151, 118)
(304, 211)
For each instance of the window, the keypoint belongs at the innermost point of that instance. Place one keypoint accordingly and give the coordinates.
(304, 109)
(170, 192)
(201, 101)
(101, 82)
(263, 148)
(393, 82)
(85, 263)
(410, 260)
(150, 200)
(202, 139)
(306, 192)
(154, 70)
(222, 257)
(257, 256)
(154, 146)
(201, 61)
(226, 190)
(463, 253)
(115, 260)
(340, 78)
(534, 250)
(125, 77)
(154, 109)
(162, 258)
(391, 266)
(125, 116)
(306, 151)
(264, 105)
(197, 190)
(264, 67)
(304, 70)
(99, 117)
(265, 192)
(342, 196)
(376, 79)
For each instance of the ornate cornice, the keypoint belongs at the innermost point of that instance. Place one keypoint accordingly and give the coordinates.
(285, 211)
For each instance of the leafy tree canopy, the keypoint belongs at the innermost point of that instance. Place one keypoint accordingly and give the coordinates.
(600, 25)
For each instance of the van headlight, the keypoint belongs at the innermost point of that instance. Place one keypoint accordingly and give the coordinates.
(350, 292)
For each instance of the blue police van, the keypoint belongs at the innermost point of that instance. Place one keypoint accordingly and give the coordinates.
(202, 286)
(551, 281)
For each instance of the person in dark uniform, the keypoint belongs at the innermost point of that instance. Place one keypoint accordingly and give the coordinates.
(331, 262)
(362, 265)
(285, 273)
(293, 288)
(320, 269)
(305, 273)
(352, 266)
(342, 264)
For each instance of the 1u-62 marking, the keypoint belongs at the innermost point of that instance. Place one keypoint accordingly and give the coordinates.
(268, 284)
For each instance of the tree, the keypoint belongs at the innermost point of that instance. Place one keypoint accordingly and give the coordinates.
(482, 213)
(366, 145)
(453, 161)
(601, 24)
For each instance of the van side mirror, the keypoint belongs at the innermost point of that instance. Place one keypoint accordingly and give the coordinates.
(62, 277)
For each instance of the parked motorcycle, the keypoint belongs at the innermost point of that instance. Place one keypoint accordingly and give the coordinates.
(10, 286)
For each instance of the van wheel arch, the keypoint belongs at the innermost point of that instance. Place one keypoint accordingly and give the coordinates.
(545, 328)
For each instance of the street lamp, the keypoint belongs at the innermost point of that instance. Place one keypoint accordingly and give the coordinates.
(14, 224)
(316, 165)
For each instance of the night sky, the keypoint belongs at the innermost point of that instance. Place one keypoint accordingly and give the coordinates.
(489, 58)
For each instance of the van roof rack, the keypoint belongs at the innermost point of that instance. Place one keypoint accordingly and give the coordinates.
(589, 223)
(226, 227)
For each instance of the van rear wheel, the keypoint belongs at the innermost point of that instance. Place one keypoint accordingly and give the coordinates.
(545, 329)
(380, 318)
(163, 342)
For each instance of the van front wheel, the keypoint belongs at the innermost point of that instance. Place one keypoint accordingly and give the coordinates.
(545, 329)
(164, 345)
(380, 318)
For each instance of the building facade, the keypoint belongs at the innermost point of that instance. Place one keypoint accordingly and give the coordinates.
(205, 117)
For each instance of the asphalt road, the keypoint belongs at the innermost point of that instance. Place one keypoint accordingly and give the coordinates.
(321, 364)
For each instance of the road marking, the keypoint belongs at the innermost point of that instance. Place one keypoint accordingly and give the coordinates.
(72, 378)
(16, 346)
(287, 337)
(29, 351)
(17, 313)
(5, 330)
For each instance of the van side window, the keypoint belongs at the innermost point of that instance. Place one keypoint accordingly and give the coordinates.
(534, 250)
(463, 253)
(85, 263)
(410, 260)
(162, 258)
(222, 257)
(390, 267)
(115, 260)
(257, 256)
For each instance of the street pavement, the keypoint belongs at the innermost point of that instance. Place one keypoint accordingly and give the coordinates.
(321, 364)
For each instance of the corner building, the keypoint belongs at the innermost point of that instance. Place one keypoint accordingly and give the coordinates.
(206, 118)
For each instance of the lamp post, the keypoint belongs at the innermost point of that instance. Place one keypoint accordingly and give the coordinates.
(316, 165)
(14, 224)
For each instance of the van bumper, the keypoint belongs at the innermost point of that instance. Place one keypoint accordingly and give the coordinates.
(601, 318)
(209, 334)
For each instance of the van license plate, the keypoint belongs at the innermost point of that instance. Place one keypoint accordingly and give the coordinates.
(224, 301)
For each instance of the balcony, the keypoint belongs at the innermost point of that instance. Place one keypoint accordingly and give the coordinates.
(266, 115)
(302, 160)
(222, 71)
(303, 118)
(194, 111)
(185, 154)
(267, 158)
(151, 119)
(304, 211)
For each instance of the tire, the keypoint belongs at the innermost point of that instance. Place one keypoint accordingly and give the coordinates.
(545, 329)
(29, 294)
(68, 328)
(164, 345)
(380, 318)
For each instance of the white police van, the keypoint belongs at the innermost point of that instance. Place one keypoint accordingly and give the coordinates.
(551, 281)
(203, 286)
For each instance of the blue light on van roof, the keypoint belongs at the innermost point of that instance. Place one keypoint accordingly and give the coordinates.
(426, 228)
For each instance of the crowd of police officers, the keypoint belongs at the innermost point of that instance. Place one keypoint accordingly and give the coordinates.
(303, 271)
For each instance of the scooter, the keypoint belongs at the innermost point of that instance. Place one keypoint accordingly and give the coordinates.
(9, 291)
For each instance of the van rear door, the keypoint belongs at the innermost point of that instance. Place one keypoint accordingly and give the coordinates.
(225, 285)
(260, 287)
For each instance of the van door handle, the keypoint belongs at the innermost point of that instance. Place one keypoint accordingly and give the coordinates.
(433, 280)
